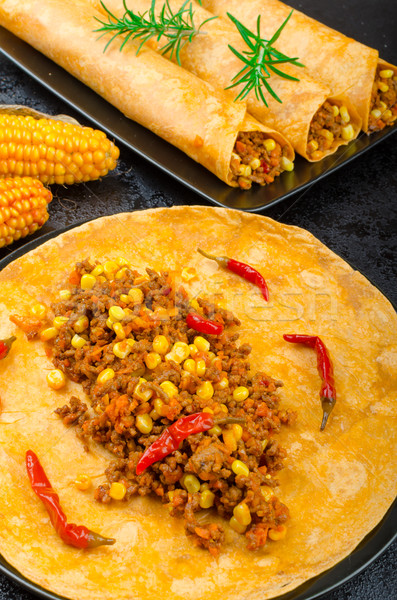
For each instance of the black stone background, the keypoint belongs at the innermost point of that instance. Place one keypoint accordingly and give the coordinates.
(353, 211)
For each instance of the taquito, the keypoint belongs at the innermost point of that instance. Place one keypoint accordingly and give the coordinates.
(308, 116)
(346, 66)
(173, 103)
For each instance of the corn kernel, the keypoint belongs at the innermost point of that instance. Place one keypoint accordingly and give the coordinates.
(224, 408)
(267, 492)
(143, 395)
(38, 310)
(240, 393)
(277, 534)
(237, 431)
(382, 105)
(83, 482)
(65, 295)
(98, 270)
(386, 73)
(169, 388)
(58, 322)
(317, 155)
(152, 360)
(216, 430)
(121, 349)
(109, 323)
(144, 423)
(109, 268)
(229, 440)
(119, 330)
(188, 273)
(269, 144)
(242, 514)
(154, 415)
(116, 313)
(56, 379)
(223, 383)
(383, 87)
(387, 115)
(244, 170)
(124, 298)
(160, 344)
(207, 499)
(131, 342)
(190, 366)
(190, 483)
(105, 375)
(48, 334)
(158, 406)
(376, 113)
(121, 273)
(286, 164)
(240, 468)
(117, 490)
(207, 409)
(201, 344)
(81, 324)
(255, 163)
(200, 367)
(312, 146)
(78, 341)
(335, 110)
(205, 391)
(193, 350)
(348, 132)
(181, 351)
(328, 135)
(87, 282)
(136, 296)
(238, 527)
(344, 113)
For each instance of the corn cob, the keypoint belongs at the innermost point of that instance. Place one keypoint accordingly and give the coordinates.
(53, 151)
(23, 207)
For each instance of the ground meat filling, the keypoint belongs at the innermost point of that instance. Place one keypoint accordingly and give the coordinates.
(329, 126)
(258, 158)
(383, 110)
(137, 384)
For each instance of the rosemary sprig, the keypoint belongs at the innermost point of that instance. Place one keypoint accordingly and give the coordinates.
(260, 61)
(177, 27)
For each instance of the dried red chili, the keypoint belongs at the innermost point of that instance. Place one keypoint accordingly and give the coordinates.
(242, 269)
(325, 369)
(73, 535)
(5, 346)
(198, 323)
(176, 433)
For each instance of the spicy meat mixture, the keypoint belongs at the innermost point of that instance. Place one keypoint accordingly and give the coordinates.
(124, 337)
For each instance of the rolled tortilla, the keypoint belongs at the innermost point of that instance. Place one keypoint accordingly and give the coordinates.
(346, 66)
(208, 56)
(173, 103)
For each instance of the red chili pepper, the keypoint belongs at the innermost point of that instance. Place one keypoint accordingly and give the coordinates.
(325, 369)
(73, 535)
(198, 323)
(240, 268)
(265, 166)
(176, 433)
(5, 346)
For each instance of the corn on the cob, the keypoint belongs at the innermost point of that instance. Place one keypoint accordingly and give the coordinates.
(23, 207)
(53, 151)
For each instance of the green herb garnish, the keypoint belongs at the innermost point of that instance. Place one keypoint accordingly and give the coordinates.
(177, 27)
(260, 61)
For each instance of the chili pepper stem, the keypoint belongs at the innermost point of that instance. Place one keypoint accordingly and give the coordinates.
(327, 405)
(95, 539)
(230, 420)
(221, 260)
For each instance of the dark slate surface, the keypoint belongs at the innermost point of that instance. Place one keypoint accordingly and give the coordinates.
(353, 211)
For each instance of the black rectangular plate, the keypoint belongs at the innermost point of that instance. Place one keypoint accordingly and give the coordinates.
(163, 155)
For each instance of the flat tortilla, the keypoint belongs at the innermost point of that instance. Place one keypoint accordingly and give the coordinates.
(337, 484)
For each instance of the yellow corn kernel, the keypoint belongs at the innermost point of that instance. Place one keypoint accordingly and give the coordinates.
(87, 282)
(56, 379)
(119, 330)
(383, 87)
(286, 164)
(269, 144)
(121, 261)
(222, 384)
(109, 323)
(335, 110)
(244, 170)
(117, 490)
(387, 115)
(78, 341)
(131, 342)
(348, 132)
(255, 163)
(109, 268)
(317, 155)
(267, 492)
(277, 534)
(116, 313)
(181, 351)
(216, 430)
(188, 273)
(48, 334)
(190, 483)
(207, 409)
(240, 393)
(58, 322)
(141, 394)
(201, 344)
(382, 105)
(136, 296)
(312, 146)
(190, 366)
(160, 344)
(229, 440)
(193, 350)
(65, 295)
(224, 408)
(244, 183)
(242, 514)
(154, 415)
(97, 270)
(121, 349)
(144, 423)
(200, 367)
(376, 113)
(344, 113)
(121, 273)
(83, 482)
(237, 431)
(240, 468)
(205, 391)
(386, 73)
(38, 310)
(152, 360)
(124, 298)
(81, 324)
(207, 499)
(327, 134)
(105, 375)
(169, 388)
(234, 524)
(158, 406)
